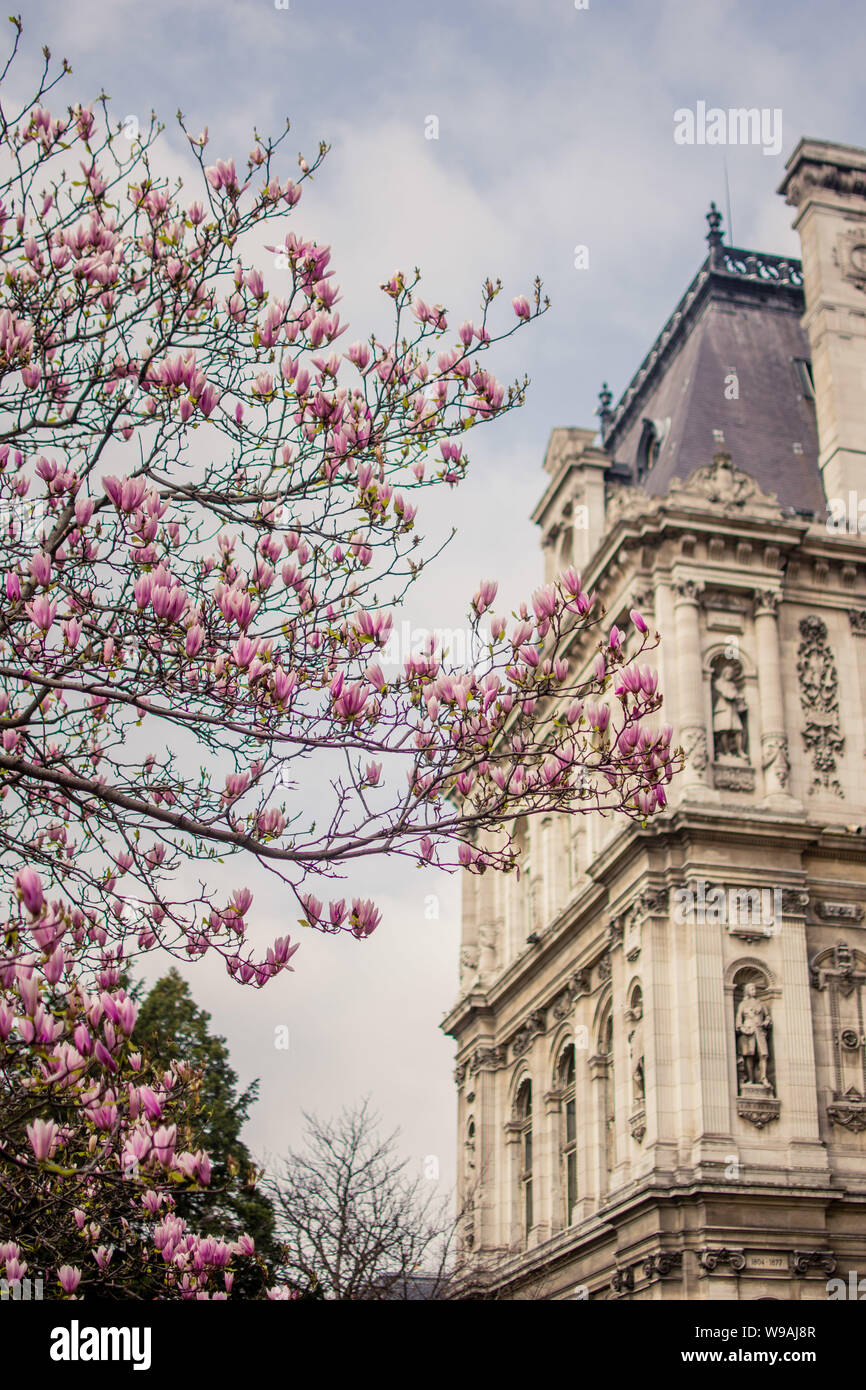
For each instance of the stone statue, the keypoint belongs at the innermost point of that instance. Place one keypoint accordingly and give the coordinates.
(638, 1066)
(487, 953)
(468, 967)
(753, 1025)
(729, 714)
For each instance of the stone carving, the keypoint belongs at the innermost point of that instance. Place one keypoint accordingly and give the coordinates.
(794, 902)
(661, 1264)
(803, 1261)
(691, 590)
(615, 933)
(733, 779)
(711, 1259)
(850, 256)
(723, 601)
(628, 503)
(468, 968)
(730, 720)
(531, 1028)
(759, 1111)
(489, 1058)
(857, 619)
(654, 901)
(832, 912)
(636, 1051)
(753, 1025)
(637, 1125)
(487, 943)
(460, 1074)
(564, 1002)
(819, 698)
(813, 174)
(694, 744)
(604, 968)
(721, 482)
(774, 757)
(767, 600)
(849, 1114)
(622, 1279)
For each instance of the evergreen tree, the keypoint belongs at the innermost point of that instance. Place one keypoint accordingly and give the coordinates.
(171, 1025)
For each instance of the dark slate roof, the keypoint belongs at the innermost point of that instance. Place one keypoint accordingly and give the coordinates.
(741, 313)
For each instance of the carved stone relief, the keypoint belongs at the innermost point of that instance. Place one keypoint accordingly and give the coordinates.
(819, 698)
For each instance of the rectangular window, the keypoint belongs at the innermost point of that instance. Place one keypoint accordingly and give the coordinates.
(570, 1122)
(527, 1197)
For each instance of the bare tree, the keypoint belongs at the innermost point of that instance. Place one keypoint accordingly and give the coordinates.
(352, 1218)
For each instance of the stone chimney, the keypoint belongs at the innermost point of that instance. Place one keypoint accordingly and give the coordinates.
(826, 183)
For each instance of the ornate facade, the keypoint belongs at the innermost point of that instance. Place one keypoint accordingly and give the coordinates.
(661, 1063)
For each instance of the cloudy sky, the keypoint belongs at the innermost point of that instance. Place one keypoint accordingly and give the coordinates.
(554, 130)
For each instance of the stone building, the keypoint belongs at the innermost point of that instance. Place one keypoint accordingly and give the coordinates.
(661, 1061)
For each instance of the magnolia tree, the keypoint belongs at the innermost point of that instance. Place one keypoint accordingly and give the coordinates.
(204, 501)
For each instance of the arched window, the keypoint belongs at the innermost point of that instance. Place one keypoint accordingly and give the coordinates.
(649, 446)
(523, 1116)
(568, 1138)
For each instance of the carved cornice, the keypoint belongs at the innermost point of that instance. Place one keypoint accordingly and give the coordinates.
(622, 1280)
(814, 174)
(657, 1266)
(803, 1261)
(711, 1259)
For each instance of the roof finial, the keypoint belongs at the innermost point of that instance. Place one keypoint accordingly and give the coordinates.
(714, 235)
(604, 412)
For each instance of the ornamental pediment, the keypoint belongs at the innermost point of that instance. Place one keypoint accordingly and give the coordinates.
(723, 485)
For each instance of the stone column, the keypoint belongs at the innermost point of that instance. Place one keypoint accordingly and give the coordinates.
(483, 1085)
(665, 656)
(857, 619)
(826, 183)
(774, 739)
(598, 1072)
(692, 731)
(794, 1042)
(551, 1175)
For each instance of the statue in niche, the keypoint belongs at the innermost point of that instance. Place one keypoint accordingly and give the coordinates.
(730, 721)
(753, 1024)
(636, 1048)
